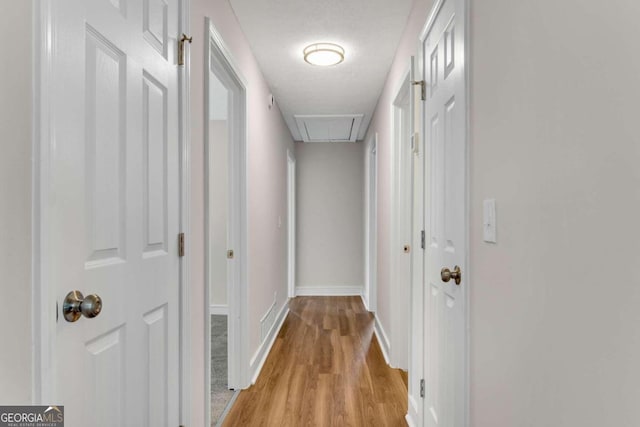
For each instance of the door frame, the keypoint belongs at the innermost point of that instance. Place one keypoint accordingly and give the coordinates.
(402, 188)
(44, 303)
(414, 410)
(464, 26)
(371, 223)
(184, 128)
(237, 293)
(291, 223)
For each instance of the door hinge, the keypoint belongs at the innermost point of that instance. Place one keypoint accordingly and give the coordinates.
(183, 39)
(181, 244)
(422, 387)
(422, 240)
(423, 88)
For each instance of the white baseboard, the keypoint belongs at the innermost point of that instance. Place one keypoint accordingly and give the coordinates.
(383, 340)
(328, 291)
(364, 302)
(219, 309)
(258, 359)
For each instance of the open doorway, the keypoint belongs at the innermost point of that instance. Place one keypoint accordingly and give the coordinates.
(226, 228)
(218, 190)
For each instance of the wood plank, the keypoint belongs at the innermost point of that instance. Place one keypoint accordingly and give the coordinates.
(325, 369)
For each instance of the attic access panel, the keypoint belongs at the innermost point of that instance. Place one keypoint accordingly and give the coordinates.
(329, 128)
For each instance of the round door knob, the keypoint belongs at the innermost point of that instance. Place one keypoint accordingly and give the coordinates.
(456, 275)
(77, 305)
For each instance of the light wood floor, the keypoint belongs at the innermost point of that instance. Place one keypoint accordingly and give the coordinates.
(325, 369)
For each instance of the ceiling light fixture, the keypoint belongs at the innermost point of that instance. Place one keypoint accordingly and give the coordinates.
(323, 54)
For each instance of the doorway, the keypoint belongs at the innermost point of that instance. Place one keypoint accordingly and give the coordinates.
(225, 227)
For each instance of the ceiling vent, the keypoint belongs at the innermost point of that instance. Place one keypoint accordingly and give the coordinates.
(334, 128)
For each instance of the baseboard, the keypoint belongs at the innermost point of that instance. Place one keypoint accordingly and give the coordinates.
(227, 408)
(364, 301)
(383, 340)
(328, 291)
(219, 309)
(410, 422)
(258, 359)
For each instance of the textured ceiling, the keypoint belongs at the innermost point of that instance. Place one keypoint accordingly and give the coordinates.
(369, 30)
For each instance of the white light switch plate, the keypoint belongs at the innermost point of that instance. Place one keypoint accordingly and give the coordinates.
(489, 220)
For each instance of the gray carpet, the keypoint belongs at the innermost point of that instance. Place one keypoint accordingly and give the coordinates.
(220, 393)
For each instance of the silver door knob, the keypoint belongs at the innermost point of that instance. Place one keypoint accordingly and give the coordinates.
(76, 305)
(456, 274)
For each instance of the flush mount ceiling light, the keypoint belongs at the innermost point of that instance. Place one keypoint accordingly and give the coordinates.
(323, 54)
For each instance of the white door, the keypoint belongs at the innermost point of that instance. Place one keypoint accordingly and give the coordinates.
(114, 209)
(445, 301)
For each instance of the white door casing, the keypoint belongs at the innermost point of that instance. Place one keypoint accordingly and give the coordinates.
(371, 223)
(416, 345)
(291, 224)
(112, 181)
(445, 304)
(401, 129)
(219, 61)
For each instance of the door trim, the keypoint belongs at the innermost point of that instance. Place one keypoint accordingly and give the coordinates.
(401, 176)
(184, 128)
(237, 296)
(291, 223)
(417, 257)
(435, 9)
(371, 223)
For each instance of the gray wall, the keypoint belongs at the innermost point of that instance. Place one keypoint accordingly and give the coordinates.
(15, 203)
(329, 214)
(555, 304)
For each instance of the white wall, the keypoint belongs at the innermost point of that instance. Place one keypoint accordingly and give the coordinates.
(218, 210)
(329, 208)
(268, 141)
(555, 304)
(15, 203)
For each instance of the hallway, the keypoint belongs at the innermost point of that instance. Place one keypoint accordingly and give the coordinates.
(437, 186)
(325, 368)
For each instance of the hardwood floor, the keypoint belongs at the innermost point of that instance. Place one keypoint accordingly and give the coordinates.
(325, 369)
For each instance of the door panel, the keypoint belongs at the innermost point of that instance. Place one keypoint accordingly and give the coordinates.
(445, 302)
(114, 209)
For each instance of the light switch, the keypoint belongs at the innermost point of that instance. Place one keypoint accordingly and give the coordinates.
(489, 220)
